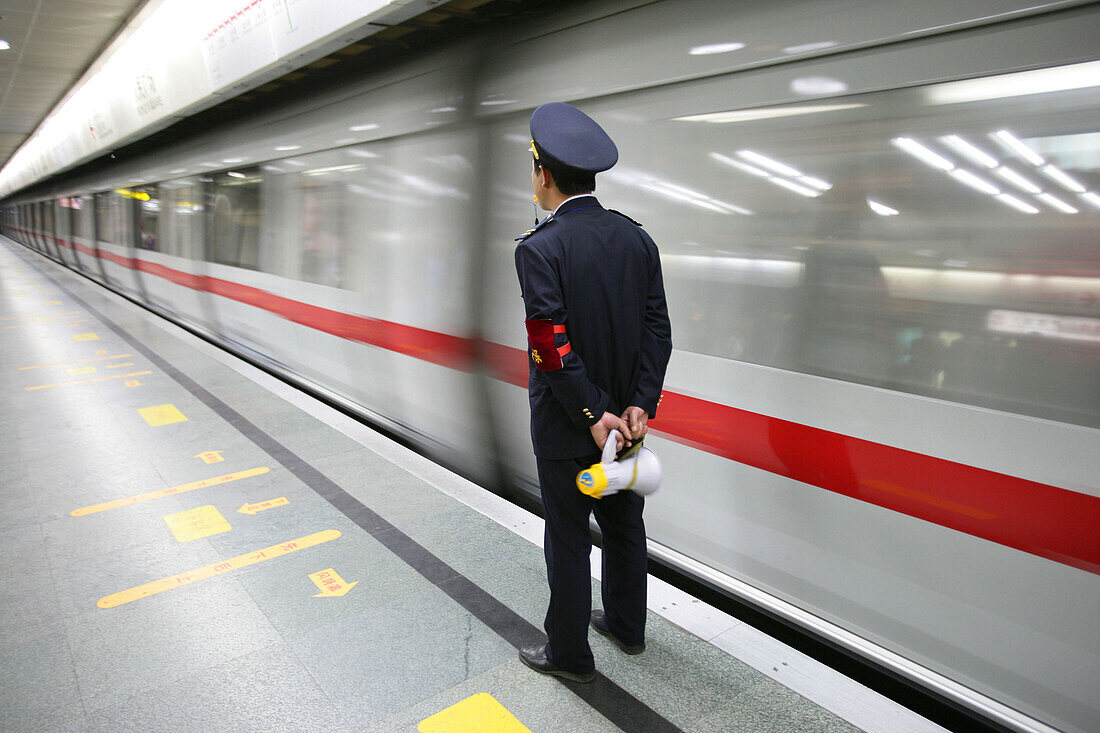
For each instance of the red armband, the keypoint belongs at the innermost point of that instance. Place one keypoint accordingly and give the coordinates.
(540, 337)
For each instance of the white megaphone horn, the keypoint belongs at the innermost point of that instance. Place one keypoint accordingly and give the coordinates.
(638, 470)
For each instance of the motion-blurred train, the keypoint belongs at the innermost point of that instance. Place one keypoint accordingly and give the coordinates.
(879, 232)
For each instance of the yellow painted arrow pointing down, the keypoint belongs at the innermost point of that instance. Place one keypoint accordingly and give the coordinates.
(330, 583)
(261, 505)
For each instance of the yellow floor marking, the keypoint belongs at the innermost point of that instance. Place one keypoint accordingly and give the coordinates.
(209, 571)
(194, 524)
(87, 381)
(331, 585)
(86, 337)
(84, 511)
(104, 351)
(210, 456)
(158, 415)
(78, 361)
(52, 302)
(473, 715)
(247, 508)
(119, 366)
(132, 383)
(77, 371)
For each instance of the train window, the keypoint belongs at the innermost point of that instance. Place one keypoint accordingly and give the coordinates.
(113, 216)
(148, 215)
(235, 212)
(181, 218)
(908, 239)
(82, 219)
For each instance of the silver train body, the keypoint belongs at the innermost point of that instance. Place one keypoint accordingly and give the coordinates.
(878, 224)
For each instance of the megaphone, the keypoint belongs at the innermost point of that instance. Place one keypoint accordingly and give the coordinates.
(638, 470)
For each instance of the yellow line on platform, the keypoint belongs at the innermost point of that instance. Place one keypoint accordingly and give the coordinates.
(87, 381)
(84, 511)
(209, 571)
(78, 361)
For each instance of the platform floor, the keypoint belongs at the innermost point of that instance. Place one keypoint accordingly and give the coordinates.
(188, 544)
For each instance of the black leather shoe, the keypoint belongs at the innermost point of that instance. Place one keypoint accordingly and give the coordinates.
(534, 656)
(600, 625)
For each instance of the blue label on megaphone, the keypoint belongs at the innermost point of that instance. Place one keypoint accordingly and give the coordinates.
(586, 479)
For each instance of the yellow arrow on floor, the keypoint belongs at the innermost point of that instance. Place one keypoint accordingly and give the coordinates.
(261, 505)
(330, 583)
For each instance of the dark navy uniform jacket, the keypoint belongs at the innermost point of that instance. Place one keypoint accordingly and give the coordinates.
(599, 338)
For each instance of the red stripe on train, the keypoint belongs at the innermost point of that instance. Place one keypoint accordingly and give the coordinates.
(1039, 519)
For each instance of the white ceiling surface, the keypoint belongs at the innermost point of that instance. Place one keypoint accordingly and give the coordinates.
(52, 43)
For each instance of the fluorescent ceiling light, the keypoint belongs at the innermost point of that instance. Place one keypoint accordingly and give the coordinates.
(807, 47)
(922, 153)
(440, 110)
(1016, 203)
(766, 162)
(362, 153)
(752, 170)
(818, 85)
(1057, 203)
(1092, 199)
(332, 169)
(364, 128)
(881, 209)
(714, 48)
(974, 154)
(283, 148)
(791, 186)
(497, 102)
(765, 113)
(233, 160)
(1040, 81)
(817, 183)
(1013, 144)
(1016, 179)
(978, 184)
(177, 170)
(235, 174)
(1063, 178)
(4, 45)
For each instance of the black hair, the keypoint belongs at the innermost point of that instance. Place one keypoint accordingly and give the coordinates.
(569, 181)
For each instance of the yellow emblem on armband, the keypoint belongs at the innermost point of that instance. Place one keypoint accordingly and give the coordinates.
(535, 356)
(592, 481)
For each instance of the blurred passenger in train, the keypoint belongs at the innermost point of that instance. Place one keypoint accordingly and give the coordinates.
(599, 339)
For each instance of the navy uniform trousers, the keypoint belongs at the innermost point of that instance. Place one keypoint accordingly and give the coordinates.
(568, 546)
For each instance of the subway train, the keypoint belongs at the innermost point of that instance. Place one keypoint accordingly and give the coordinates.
(878, 229)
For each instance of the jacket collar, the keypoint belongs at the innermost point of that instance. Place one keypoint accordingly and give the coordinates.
(576, 202)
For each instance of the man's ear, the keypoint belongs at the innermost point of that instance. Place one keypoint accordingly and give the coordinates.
(546, 178)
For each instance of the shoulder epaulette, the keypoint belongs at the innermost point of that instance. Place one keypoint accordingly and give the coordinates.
(538, 226)
(633, 221)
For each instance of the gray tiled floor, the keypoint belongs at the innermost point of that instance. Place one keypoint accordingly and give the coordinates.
(253, 649)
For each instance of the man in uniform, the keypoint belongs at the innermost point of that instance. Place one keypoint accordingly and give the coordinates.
(599, 341)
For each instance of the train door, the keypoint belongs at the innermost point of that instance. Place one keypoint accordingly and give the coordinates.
(114, 239)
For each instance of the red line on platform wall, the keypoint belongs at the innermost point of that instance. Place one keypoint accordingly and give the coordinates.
(1051, 522)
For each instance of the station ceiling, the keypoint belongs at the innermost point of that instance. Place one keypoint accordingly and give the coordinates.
(52, 43)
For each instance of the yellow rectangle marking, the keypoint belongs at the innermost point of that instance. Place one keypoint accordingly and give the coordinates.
(86, 337)
(52, 302)
(331, 585)
(119, 366)
(209, 571)
(158, 415)
(87, 381)
(132, 383)
(475, 714)
(77, 371)
(84, 511)
(194, 524)
(78, 361)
